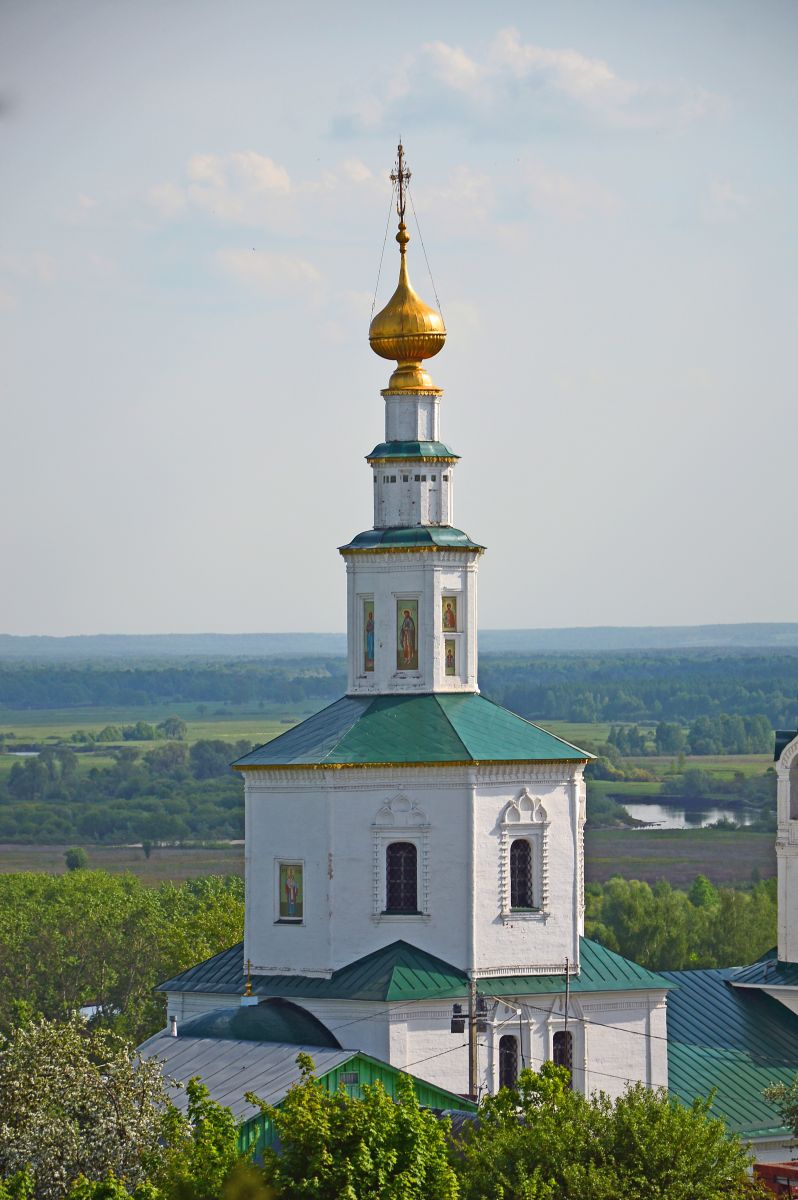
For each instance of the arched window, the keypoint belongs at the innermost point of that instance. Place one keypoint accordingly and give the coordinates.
(563, 1050)
(521, 892)
(401, 874)
(508, 1061)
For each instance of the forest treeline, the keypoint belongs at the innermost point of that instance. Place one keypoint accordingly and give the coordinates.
(167, 794)
(666, 686)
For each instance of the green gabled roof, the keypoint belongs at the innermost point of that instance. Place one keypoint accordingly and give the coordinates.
(409, 450)
(412, 730)
(767, 971)
(411, 537)
(401, 971)
(734, 1040)
(600, 970)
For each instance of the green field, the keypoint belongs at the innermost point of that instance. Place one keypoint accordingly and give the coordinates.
(678, 855)
(675, 855)
(49, 726)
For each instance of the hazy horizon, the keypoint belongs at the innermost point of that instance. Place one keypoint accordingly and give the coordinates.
(188, 257)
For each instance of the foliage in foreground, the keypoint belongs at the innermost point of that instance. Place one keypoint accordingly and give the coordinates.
(83, 1116)
(89, 938)
(334, 1147)
(642, 1146)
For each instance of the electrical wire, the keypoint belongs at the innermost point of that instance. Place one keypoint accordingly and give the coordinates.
(424, 248)
(382, 255)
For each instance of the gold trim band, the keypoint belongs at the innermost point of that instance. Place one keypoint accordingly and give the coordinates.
(416, 458)
(345, 550)
(471, 762)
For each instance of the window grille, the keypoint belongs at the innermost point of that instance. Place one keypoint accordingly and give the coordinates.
(508, 1061)
(563, 1050)
(521, 893)
(401, 872)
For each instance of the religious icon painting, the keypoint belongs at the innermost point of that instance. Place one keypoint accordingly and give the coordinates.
(368, 635)
(449, 613)
(292, 892)
(407, 635)
(449, 657)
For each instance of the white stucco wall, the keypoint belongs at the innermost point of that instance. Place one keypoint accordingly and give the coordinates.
(787, 852)
(338, 825)
(427, 577)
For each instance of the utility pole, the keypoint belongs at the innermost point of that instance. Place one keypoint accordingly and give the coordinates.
(472, 1039)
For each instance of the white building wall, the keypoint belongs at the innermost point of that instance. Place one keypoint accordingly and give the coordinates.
(427, 577)
(412, 416)
(787, 852)
(338, 824)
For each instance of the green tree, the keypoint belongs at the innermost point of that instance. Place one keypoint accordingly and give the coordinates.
(76, 1103)
(545, 1140)
(702, 894)
(785, 1098)
(173, 727)
(76, 858)
(334, 1147)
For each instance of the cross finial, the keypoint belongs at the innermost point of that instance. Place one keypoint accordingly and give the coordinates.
(401, 177)
(248, 984)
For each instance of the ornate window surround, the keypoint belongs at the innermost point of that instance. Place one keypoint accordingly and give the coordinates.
(524, 817)
(400, 820)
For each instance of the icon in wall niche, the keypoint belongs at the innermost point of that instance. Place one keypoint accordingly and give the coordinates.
(407, 635)
(449, 657)
(449, 611)
(292, 893)
(368, 635)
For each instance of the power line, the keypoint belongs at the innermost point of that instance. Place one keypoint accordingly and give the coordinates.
(382, 254)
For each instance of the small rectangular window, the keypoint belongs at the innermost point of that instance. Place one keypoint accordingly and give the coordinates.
(423, 479)
(349, 1077)
(405, 478)
(418, 477)
(446, 479)
(393, 479)
(434, 478)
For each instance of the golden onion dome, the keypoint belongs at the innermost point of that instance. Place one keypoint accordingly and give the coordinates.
(407, 330)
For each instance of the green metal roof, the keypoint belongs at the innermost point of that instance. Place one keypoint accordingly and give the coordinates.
(271, 1020)
(431, 728)
(411, 450)
(734, 1040)
(767, 971)
(402, 972)
(601, 970)
(412, 537)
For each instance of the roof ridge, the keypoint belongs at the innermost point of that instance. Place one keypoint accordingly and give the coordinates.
(535, 725)
(437, 696)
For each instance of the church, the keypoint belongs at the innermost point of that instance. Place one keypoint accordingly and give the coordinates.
(415, 852)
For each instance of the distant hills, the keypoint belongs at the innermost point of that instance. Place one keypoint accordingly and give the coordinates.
(764, 636)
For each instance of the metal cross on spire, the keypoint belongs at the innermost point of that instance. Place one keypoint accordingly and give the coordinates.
(401, 177)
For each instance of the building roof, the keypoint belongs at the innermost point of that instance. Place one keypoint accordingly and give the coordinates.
(401, 972)
(412, 450)
(767, 971)
(434, 728)
(734, 1040)
(411, 537)
(230, 1069)
(270, 1020)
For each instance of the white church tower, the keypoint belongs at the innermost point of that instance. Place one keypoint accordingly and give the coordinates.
(415, 839)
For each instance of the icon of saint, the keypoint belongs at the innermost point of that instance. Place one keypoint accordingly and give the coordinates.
(449, 617)
(449, 660)
(408, 638)
(291, 892)
(370, 641)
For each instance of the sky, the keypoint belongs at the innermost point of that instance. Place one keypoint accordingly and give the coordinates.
(192, 215)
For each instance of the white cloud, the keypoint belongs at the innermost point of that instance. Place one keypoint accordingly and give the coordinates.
(723, 203)
(167, 199)
(513, 79)
(563, 194)
(261, 172)
(267, 269)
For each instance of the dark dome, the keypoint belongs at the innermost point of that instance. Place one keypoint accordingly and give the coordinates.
(270, 1020)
